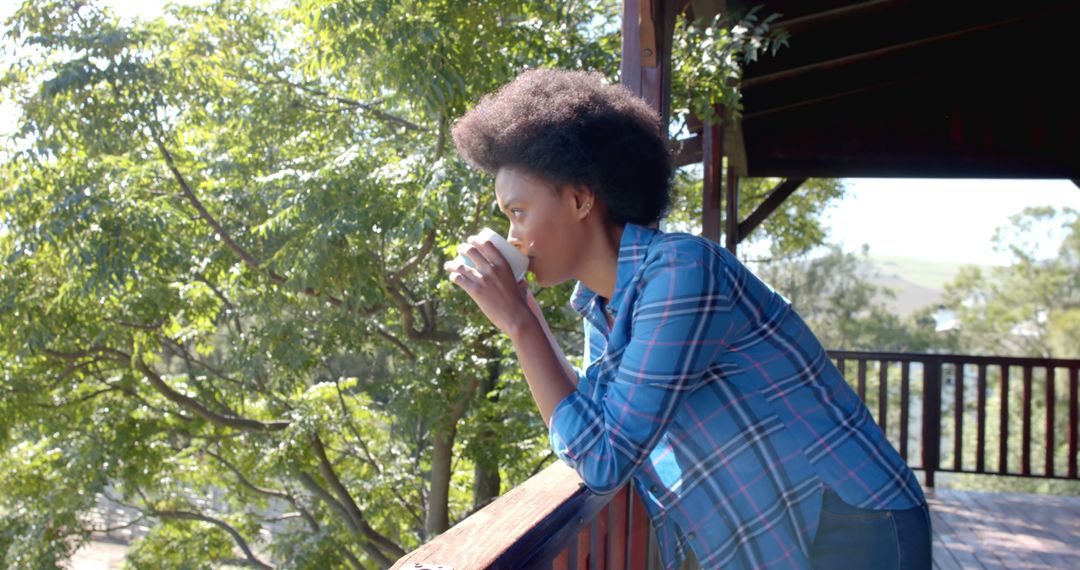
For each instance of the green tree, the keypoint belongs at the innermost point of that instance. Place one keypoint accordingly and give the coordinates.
(223, 240)
(222, 293)
(1032, 306)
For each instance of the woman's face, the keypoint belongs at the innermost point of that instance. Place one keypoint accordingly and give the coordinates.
(545, 223)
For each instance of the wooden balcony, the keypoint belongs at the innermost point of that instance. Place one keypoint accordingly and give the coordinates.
(939, 410)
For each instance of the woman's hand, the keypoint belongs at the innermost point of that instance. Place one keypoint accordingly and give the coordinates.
(491, 284)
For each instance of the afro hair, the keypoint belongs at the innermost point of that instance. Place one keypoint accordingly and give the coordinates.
(571, 127)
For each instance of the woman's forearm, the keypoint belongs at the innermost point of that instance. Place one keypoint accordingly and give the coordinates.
(550, 376)
(535, 308)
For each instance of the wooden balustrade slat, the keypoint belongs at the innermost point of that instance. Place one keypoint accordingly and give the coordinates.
(619, 524)
(862, 379)
(639, 532)
(958, 416)
(1003, 423)
(905, 387)
(562, 561)
(582, 552)
(1074, 418)
(980, 427)
(883, 393)
(598, 541)
(1051, 396)
(1025, 438)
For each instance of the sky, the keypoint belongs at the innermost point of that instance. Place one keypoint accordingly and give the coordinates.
(891, 216)
(942, 219)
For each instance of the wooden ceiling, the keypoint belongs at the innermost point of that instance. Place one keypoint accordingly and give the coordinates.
(918, 88)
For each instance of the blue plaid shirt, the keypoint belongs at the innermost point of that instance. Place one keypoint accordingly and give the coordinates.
(716, 399)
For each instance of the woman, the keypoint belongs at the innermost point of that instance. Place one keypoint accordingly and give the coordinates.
(701, 385)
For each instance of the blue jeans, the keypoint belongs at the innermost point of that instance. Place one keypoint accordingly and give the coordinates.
(850, 538)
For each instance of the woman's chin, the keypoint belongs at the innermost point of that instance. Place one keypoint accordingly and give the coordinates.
(543, 281)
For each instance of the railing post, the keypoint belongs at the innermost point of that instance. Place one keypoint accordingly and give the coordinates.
(931, 418)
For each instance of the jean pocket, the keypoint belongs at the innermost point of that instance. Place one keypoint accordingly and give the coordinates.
(834, 508)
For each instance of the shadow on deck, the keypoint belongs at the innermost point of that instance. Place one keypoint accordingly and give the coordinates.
(974, 530)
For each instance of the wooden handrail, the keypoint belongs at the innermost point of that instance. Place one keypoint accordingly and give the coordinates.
(511, 524)
(553, 521)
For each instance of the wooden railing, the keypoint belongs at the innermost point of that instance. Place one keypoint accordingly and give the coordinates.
(552, 521)
(963, 401)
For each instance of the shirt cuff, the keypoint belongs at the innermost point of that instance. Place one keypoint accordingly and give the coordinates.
(566, 423)
(584, 385)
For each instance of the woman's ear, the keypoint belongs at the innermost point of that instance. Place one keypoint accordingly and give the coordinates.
(584, 200)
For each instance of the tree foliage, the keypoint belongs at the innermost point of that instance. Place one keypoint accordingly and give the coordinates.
(834, 294)
(1032, 306)
(222, 234)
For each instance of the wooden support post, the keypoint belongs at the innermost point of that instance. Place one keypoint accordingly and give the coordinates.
(712, 181)
(931, 418)
(731, 218)
(647, 30)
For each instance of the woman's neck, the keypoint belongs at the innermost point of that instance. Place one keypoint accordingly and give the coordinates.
(601, 262)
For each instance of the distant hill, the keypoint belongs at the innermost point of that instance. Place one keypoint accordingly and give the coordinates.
(916, 282)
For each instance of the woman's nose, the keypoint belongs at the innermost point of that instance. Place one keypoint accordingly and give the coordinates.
(513, 239)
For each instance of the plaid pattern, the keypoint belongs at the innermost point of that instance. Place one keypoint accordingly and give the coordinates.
(715, 398)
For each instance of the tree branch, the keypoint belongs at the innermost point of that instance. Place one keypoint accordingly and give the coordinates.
(311, 485)
(248, 258)
(109, 529)
(408, 320)
(175, 397)
(406, 307)
(182, 351)
(84, 398)
(224, 300)
(327, 471)
(379, 330)
(251, 560)
(244, 480)
(354, 104)
(425, 249)
(370, 457)
(206, 390)
(198, 409)
(138, 326)
(269, 492)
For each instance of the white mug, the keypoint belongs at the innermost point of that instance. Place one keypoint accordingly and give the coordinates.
(519, 263)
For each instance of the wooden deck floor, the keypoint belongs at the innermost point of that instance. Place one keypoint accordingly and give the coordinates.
(1001, 530)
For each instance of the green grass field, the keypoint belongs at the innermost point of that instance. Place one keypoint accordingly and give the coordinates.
(929, 274)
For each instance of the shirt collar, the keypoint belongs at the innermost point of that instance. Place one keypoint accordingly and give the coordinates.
(632, 247)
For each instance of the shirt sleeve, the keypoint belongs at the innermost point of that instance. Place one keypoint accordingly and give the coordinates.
(675, 336)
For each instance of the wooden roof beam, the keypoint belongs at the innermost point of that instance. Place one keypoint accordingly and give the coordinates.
(832, 96)
(782, 191)
(800, 23)
(885, 51)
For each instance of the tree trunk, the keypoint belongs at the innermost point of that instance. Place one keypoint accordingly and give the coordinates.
(486, 486)
(487, 483)
(438, 507)
(442, 455)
